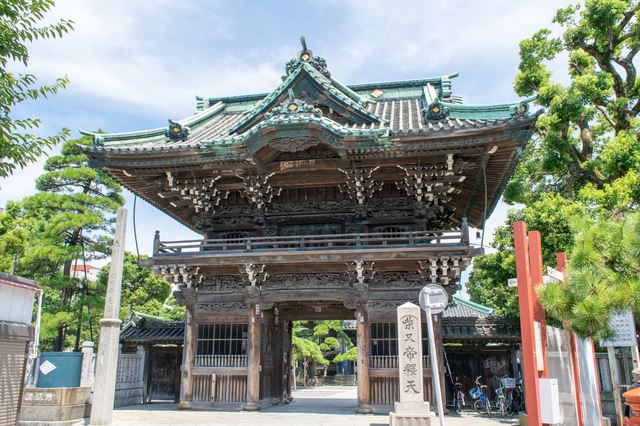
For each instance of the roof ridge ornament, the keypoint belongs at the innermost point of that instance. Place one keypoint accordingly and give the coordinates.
(293, 105)
(176, 131)
(307, 56)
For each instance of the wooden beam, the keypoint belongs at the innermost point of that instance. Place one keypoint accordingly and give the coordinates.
(362, 333)
(188, 356)
(253, 361)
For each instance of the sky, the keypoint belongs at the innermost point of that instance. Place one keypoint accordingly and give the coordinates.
(134, 64)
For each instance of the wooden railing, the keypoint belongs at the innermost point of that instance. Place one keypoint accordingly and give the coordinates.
(220, 361)
(385, 390)
(391, 361)
(210, 388)
(379, 240)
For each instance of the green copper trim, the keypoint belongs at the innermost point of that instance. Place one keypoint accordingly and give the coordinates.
(473, 305)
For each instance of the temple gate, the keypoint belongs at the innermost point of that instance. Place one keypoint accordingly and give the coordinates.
(315, 201)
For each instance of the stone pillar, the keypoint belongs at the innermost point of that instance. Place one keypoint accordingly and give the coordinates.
(87, 372)
(188, 357)
(362, 337)
(107, 357)
(411, 409)
(253, 360)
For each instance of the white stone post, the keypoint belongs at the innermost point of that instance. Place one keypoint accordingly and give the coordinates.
(107, 357)
(411, 409)
(86, 376)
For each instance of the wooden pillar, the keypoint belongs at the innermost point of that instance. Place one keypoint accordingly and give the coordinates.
(253, 360)
(362, 330)
(277, 387)
(188, 357)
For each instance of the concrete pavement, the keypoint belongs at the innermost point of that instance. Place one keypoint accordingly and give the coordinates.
(322, 406)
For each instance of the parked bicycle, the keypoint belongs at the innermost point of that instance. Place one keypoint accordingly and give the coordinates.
(458, 396)
(479, 393)
(516, 403)
(501, 401)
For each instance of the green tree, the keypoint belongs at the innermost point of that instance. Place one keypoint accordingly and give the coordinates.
(586, 146)
(19, 20)
(143, 291)
(604, 276)
(553, 216)
(70, 218)
(313, 340)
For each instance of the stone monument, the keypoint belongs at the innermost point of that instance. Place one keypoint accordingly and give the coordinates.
(412, 408)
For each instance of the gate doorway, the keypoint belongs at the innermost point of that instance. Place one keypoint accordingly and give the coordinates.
(164, 374)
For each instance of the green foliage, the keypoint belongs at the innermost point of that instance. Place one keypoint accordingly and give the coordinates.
(70, 218)
(586, 143)
(604, 276)
(553, 216)
(19, 20)
(350, 355)
(143, 291)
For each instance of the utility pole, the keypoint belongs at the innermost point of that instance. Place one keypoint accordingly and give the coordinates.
(107, 357)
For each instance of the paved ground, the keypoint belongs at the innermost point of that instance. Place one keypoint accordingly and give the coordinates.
(322, 406)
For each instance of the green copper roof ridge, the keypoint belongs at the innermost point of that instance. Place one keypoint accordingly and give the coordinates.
(473, 305)
(297, 119)
(194, 119)
(496, 106)
(389, 84)
(326, 83)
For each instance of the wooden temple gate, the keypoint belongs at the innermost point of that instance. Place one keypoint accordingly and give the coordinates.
(316, 201)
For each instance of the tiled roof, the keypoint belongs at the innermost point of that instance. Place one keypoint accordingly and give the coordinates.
(164, 331)
(393, 109)
(461, 308)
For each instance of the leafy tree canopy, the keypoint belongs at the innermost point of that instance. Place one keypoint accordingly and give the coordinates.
(20, 22)
(586, 145)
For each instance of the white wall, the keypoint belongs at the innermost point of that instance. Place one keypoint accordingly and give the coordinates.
(16, 304)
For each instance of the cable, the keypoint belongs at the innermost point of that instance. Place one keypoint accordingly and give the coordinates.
(135, 233)
(484, 214)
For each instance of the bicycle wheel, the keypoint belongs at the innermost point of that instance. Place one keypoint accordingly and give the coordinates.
(478, 407)
(501, 408)
(458, 405)
(488, 408)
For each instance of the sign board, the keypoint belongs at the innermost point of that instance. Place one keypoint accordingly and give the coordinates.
(624, 329)
(410, 353)
(548, 279)
(512, 282)
(537, 332)
(433, 297)
(550, 404)
(554, 273)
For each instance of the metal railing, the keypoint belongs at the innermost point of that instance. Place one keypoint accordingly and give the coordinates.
(378, 240)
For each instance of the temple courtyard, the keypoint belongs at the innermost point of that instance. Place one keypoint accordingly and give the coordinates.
(321, 406)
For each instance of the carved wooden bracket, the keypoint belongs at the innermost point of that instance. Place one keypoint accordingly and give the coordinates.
(359, 185)
(360, 272)
(185, 297)
(200, 193)
(258, 190)
(180, 275)
(433, 184)
(442, 270)
(254, 274)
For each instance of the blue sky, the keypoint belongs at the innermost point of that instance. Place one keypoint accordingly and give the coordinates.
(134, 64)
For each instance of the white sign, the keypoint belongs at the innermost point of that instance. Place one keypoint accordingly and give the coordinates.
(624, 329)
(554, 273)
(433, 297)
(512, 282)
(47, 367)
(410, 353)
(537, 333)
(550, 404)
(548, 279)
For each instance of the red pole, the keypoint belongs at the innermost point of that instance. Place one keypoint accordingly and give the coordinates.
(535, 261)
(530, 370)
(561, 258)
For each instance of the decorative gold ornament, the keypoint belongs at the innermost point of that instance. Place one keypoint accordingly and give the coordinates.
(292, 107)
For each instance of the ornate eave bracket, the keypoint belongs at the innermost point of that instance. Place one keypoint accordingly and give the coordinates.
(432, 184)
(180, 275)
(200, 193)
(360, 274)
(258, 190)
(359, 184)
(255, 275)
(442, 270)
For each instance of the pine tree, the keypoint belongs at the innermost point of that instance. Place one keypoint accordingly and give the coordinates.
(72, 218)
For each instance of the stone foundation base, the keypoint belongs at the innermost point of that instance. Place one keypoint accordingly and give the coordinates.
(54, 406)
(412, 414)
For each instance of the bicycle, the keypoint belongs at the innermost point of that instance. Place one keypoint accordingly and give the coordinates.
(458, 397)
(517, 400)
(479, 393)
(501, 404)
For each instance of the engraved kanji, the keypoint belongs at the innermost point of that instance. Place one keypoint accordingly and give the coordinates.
(410, 352)
(410, 370)
(411, 386)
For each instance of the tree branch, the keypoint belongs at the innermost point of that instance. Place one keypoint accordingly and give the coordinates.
(603, 111)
